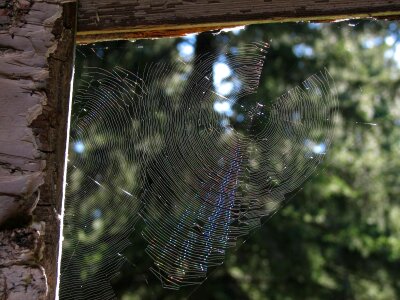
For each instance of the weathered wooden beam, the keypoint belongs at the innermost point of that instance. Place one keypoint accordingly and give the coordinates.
(129, 19)
(36, 63)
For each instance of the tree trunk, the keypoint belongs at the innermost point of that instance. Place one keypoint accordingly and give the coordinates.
(36, 62)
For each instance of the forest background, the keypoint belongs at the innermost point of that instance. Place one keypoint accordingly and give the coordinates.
(339, 235)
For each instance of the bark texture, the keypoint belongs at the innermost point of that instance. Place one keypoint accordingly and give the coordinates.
(110, 19)
(36, 51)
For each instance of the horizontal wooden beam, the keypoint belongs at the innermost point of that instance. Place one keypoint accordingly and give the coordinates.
(100, 20)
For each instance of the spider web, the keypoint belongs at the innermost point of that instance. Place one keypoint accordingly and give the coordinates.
(198, 164)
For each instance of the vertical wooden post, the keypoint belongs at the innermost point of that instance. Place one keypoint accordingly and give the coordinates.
(36, 63)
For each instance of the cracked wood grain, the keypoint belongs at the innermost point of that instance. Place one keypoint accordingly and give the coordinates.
(129, 19)
(36, 51)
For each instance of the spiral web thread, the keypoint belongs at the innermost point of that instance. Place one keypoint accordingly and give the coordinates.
(152, 146)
